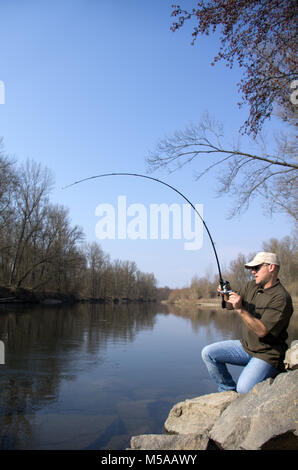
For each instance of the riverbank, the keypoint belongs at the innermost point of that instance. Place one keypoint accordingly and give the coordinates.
(204, 302)
(207, 302)
(19, 295)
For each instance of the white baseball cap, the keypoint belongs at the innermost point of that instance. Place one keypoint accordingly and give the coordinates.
(263, 257)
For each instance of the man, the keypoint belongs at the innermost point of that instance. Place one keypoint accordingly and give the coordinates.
(265, 308)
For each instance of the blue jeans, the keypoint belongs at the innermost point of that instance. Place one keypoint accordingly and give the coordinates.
(217, 355)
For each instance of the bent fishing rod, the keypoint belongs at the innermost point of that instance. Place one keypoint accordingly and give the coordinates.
(225, 286)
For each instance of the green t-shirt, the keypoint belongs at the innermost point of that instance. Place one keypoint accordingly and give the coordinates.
(273, 307)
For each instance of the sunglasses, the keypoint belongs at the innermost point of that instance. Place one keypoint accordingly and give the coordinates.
(257, 268)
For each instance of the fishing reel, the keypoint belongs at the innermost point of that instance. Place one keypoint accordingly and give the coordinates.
(225, 291)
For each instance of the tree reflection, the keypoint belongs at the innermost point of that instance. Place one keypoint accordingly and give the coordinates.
(41, 346)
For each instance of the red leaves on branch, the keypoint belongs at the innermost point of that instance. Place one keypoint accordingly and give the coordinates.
(261, 36)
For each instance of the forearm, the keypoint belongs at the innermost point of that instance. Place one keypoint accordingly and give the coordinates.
(252, 323)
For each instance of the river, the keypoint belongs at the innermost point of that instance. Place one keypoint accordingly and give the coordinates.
(91, 376)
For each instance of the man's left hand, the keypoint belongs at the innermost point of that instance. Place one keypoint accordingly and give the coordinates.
(235, 300)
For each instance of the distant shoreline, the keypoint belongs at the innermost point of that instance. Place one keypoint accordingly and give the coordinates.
(194, 303)
(10, 295)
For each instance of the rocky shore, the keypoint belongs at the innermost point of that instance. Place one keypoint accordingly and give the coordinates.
(26, 296)
(265, 418)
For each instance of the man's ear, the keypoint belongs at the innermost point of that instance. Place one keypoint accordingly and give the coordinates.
(272, 268)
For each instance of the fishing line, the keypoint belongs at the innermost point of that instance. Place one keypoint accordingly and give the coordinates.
(221, 281)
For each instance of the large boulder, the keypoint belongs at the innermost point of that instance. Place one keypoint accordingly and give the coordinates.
(263, 418)
(291, 358)
(187, 425)
(198, 415)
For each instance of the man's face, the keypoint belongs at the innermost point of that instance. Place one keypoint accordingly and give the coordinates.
(261, 273)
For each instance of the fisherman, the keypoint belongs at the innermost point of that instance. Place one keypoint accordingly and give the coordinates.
(265, 308)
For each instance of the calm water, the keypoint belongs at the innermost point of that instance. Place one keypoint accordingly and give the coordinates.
(92, 376)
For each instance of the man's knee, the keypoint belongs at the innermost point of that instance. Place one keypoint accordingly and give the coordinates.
(205, 353)
(243, 387)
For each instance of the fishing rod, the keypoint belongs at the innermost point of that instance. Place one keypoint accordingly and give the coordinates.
(225, 286)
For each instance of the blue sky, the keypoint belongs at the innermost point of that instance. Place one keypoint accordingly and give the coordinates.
(90, 87)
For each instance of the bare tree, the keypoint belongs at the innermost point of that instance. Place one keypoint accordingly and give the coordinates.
(8, 183)
(243, 174)
(57, 261)
(145, 286)
(96, 261)
(69, 262)
(32, 192)
(287, 251)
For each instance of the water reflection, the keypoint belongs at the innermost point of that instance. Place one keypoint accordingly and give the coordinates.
(91, 376)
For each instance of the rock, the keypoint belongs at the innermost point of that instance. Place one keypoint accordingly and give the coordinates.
(291, 358)
(198, 415)
(263, 418)
(169, 442)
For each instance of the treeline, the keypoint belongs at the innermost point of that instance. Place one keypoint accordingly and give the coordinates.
(40, 249)
(237, 275)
